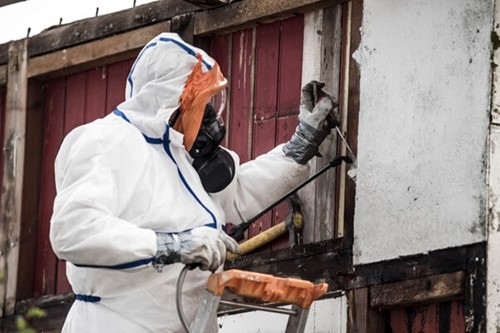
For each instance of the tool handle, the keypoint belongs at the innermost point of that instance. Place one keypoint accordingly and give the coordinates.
(238, 232)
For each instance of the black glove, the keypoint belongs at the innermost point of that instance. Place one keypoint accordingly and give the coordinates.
(316, 119)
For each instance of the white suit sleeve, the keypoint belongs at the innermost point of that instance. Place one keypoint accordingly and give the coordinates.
(96, 173)
(260, 182)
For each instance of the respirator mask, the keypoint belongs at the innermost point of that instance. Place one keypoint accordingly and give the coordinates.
(214, 165)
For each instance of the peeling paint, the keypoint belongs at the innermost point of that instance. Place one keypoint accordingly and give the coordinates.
(495, 40)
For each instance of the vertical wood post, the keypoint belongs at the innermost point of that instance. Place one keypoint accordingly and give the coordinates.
(321, 61)
(13, 158)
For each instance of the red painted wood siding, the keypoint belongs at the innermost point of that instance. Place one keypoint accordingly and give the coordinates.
(447, 317)
(264, 84)
(69, 102)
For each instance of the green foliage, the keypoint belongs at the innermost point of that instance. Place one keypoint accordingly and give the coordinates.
(23, 322)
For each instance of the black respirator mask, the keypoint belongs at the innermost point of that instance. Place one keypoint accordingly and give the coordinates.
(214, 165)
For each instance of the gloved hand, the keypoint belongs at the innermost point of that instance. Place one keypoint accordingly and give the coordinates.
(317, 117)
(203, 246)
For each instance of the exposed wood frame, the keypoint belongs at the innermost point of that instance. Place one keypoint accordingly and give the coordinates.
(13, 148)
(321, 61)
(248, 13)
(112, 49)
(417, 266)
(90, 29)
(430, 289)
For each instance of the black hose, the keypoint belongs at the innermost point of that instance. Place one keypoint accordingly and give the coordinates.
(178, 298)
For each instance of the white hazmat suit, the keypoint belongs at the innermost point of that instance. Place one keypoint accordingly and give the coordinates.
(126, 176)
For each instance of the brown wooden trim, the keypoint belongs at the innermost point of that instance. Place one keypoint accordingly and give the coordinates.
(112, 49)
(9, 2)
(208, 3)
(31, 190)
(184, 25)
(362, 318)
(90, 29)
(13, 148)
(353, 116)
(249, 13)
(412, 267)
(475, 290)
(430, 289)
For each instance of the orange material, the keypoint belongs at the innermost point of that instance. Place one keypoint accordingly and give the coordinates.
(199, 88)
(266, 287)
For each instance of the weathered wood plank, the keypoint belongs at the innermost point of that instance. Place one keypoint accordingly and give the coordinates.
(250, 13)
(90, 29)
(432, 263)
(241, 92)
(430, 289)
(208, 3)
(46, 262)
(311, 57)
(329, 74)
(3, 75)
(95, 93)
(184, 25)
(354, 21)
(117, 79)
(89, 55)
(31, 190)
(362, 318)
(13, 159)
(475, 286)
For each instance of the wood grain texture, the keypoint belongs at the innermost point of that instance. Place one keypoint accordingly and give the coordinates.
(428, 289)
(14, 145)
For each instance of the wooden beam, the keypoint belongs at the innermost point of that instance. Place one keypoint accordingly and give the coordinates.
(208, 3)
(430, 289)
(413, 267)
(318, 262)
(13, 170)
(9, 2)
(90, 29)
(248, 13)
(183, 25)
(99, 52)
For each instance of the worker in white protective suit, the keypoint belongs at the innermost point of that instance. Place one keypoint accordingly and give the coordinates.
(147, 189)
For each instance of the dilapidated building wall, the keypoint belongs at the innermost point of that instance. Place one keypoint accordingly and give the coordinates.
(411, 246)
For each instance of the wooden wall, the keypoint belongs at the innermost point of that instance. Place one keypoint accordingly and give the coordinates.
(70, 101)
(264, 68)
(446, 317)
